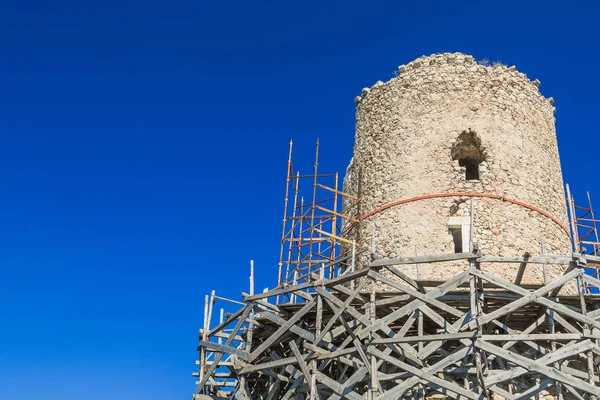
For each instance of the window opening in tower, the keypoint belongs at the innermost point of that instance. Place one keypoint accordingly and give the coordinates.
(469, 153)
(456, 232)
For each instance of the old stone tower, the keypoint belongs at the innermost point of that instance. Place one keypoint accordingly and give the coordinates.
(451, 155)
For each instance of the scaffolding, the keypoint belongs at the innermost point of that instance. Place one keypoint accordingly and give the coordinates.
(321, 232)
(584, 230)
(478, 337)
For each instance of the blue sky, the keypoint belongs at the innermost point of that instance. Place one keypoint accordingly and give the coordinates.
(143, 149)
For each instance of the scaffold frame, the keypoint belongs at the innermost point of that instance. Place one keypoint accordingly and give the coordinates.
(476, 336)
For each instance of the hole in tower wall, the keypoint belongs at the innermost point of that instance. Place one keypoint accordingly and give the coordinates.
(469, 153)
(471, 168)
(460, 229)
(456, 232)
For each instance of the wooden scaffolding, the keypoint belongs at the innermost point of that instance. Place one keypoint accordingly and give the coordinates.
(475, 337)
(326, 332)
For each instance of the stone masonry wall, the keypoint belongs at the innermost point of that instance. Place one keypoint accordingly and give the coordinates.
(406, 136)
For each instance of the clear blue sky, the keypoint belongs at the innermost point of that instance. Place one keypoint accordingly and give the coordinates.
(143, 148)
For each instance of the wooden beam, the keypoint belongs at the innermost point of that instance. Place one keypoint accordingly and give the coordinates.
(424, 375)
(537, 366)
(282, 329)
(521, 270)
(224, 349)
(423, 259)
(219, 356)
(301, 362)
(559, 308)
(426, 338)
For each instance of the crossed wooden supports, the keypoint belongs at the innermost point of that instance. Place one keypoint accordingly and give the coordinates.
(474, 337)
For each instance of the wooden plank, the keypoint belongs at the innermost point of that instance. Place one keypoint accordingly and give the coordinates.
(423, 259)
(434, 316)
(537, 388)
(347, 277)
(339, 311)
(292, 390)
(426, 338)
(521, 270)
(282, 329)
(563, 322)
(535, 336)
(559, 308)
(594, 314)
(503, 393)
(537, 366)
(304, 334)
(226, 335)
(396, 271)
(317, 328)
(536, 324)
(301, 361)
(357, 377)
(263, 304)
(407, 324)
(553, 357)
(455, 327)
(424, 375)
(526, 299)
(550, 259)
(533, 345)
(273, 390)
(567, 351)
(219, 356)
(389, 301)
(571, 266)
(224, 349)
(279, 291)
(591, 281)
(229, 319)
(339, 354)
(267, 365)
(405, 351)
(360, 350)
(351, 335)
(431, 300)
(398, 390)
(337, 192)
(338, 388)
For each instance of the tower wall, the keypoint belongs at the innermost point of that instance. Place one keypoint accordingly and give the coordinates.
(422, 132)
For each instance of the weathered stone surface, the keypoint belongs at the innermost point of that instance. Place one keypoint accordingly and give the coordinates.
(405, 132)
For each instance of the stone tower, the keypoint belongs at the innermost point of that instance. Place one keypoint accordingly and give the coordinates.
(452, 154)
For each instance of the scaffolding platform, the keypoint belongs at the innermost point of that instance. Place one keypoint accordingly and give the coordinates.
(475, 336)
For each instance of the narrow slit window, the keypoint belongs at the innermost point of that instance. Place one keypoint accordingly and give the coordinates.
(471, 168)
(456, 232)
(460, 229)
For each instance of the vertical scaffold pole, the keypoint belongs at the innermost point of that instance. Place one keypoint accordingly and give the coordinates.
(572, 220)
(312, 210)
(204, 332)
(251, 277)
(334, 226)
(293, 228)
(285, 205)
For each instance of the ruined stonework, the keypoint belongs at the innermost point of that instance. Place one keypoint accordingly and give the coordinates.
(447, 125)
